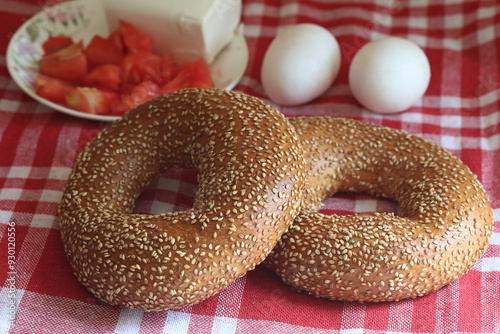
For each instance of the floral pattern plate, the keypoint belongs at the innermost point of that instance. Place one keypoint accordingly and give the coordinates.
(81, 20)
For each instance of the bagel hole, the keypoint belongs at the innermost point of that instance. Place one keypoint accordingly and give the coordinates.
(351, 203)
(172, 191)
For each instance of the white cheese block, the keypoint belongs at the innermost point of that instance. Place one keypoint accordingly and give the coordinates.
(185, 30)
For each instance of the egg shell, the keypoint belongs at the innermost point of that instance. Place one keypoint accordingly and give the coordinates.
(389, 75)
(300, 64)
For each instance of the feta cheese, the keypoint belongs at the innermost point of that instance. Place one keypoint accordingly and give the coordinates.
(185, 30)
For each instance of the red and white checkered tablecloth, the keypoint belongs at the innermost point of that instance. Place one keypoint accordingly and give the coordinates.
(460, 111)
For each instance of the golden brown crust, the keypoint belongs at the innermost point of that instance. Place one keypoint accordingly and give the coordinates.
(442, 229)
(251, 174)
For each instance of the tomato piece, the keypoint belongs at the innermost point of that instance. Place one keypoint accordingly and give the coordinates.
(52, 89)
(104, 76)
(133, 39)
(55, 43)
(166, 70)
(140, 66)
(102, 51)
(68, 63)
(138, 94)
(116, 39)
(91, 100)
(189, 75)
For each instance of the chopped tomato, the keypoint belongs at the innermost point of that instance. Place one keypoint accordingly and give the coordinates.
(112, 75)
(188, 75)
(90, 100)
(133, 39)
(68, 63)
(138, 94)
(166, 69)
(140, 66)
(52, 89)
(104, 76)
(102, 51)
(116, 39)
(55, 43)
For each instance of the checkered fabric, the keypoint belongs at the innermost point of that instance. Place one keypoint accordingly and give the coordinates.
(460, 112)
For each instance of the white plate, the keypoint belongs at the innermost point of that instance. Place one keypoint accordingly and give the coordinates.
(81, 20)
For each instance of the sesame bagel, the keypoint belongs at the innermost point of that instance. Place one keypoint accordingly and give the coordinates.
(442, 227)
(250, 171)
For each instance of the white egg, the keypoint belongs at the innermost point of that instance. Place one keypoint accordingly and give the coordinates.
(300, 64)
(389, 75)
